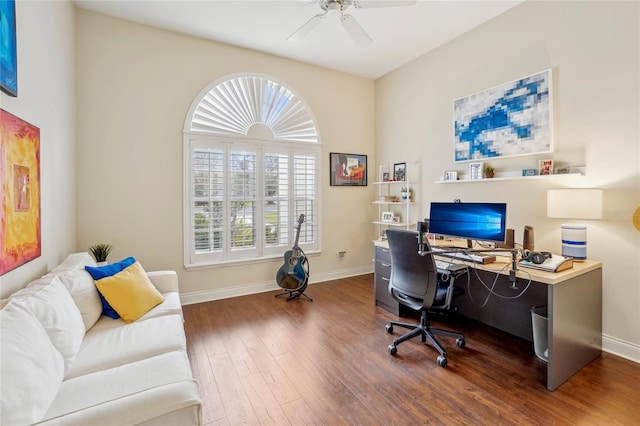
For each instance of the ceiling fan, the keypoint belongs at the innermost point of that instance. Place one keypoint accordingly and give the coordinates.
(337, 7)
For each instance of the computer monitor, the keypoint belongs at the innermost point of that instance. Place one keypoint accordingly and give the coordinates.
(473, 221)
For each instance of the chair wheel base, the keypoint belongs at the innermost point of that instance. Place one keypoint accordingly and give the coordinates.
(392, 349)
(389, 328)
(442, 361)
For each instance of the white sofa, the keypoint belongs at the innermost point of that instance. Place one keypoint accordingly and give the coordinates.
(63, 363)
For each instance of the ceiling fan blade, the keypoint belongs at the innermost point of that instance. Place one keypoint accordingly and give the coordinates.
(306, 28)
(355, 30)
(368, 4)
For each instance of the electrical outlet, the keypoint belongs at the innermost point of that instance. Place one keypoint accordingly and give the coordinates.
(341, 254)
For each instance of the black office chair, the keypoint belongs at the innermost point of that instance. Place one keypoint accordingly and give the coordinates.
(414, 283)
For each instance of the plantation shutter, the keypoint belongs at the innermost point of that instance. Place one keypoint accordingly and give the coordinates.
(252, 164)
(242, 202)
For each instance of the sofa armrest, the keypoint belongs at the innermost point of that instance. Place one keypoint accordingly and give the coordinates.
(164, 281)
(171, 404)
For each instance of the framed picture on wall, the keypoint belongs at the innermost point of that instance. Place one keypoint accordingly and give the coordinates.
(20, 192)
(507, 120)
(8, 48)
(347, 169)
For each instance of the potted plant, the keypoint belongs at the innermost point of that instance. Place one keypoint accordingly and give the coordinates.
(489, 171)
(100, 252)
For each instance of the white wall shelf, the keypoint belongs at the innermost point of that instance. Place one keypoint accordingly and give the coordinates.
(391, 182)
(401, 208)
(391, 223)
(395, 203)
(510, 177)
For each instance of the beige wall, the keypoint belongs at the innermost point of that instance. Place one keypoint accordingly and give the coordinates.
(45, 39)
(593, 49)
(135, 85)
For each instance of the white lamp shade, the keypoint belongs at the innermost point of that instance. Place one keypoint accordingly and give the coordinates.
(574, 203)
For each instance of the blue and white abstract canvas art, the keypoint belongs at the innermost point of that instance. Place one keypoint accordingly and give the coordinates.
(508, 120)
(8, 57)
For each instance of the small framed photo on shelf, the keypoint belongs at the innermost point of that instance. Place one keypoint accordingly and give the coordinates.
(475, 171)
(545, 167)
(450, 175)
(382, 173)
(386, 217)
(396, 219)
(400, 171)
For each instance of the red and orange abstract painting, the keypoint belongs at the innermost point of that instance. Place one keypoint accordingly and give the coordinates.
(20, 239)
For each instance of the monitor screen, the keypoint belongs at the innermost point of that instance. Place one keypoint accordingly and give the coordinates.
(473, 221)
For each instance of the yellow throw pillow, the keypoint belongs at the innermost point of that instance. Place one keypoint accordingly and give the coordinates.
(129, 292)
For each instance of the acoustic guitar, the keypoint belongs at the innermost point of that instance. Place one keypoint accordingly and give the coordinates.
(292, 274)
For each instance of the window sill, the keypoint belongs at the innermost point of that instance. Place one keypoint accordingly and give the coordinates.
(240, 262)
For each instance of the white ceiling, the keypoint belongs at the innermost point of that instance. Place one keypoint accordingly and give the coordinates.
(400, 34)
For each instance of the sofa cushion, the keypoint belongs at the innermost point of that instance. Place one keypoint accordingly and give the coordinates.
(32, 368)
(80, 285)
(126, 288)
(126, 379)
(170, 306)
(55, 309)
(72, 262)
(110, 343)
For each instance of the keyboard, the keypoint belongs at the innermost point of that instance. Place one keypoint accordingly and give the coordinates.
(470, 257)
(443, 266)
(446, 267)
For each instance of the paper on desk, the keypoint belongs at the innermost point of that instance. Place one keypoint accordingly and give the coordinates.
(557, 263)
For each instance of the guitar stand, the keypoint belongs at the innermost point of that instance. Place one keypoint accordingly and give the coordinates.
(294, 294)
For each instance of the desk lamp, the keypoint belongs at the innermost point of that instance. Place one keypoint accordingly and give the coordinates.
(575, 203)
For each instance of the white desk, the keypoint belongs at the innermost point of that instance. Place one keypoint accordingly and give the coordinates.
(573, 298)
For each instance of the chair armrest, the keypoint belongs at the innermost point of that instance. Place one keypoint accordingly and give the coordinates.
(164, 281)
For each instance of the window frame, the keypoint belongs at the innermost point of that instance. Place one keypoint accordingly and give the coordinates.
(262, 253)
(221, 113)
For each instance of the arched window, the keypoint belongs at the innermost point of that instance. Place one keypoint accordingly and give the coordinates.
(252, 168)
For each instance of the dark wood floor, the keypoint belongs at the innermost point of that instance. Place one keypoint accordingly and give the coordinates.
(262, 360)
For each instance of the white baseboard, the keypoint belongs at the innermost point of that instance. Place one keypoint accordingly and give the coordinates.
(225, 293)
(621, 348)
(610, 344)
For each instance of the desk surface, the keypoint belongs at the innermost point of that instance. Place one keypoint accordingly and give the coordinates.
(574, 300)
(503, 264)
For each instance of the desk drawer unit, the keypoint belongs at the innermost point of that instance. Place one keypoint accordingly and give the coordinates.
(381, 281)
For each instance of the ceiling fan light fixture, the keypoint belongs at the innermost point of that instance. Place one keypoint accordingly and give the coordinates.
(349, 23)
(334, 6)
